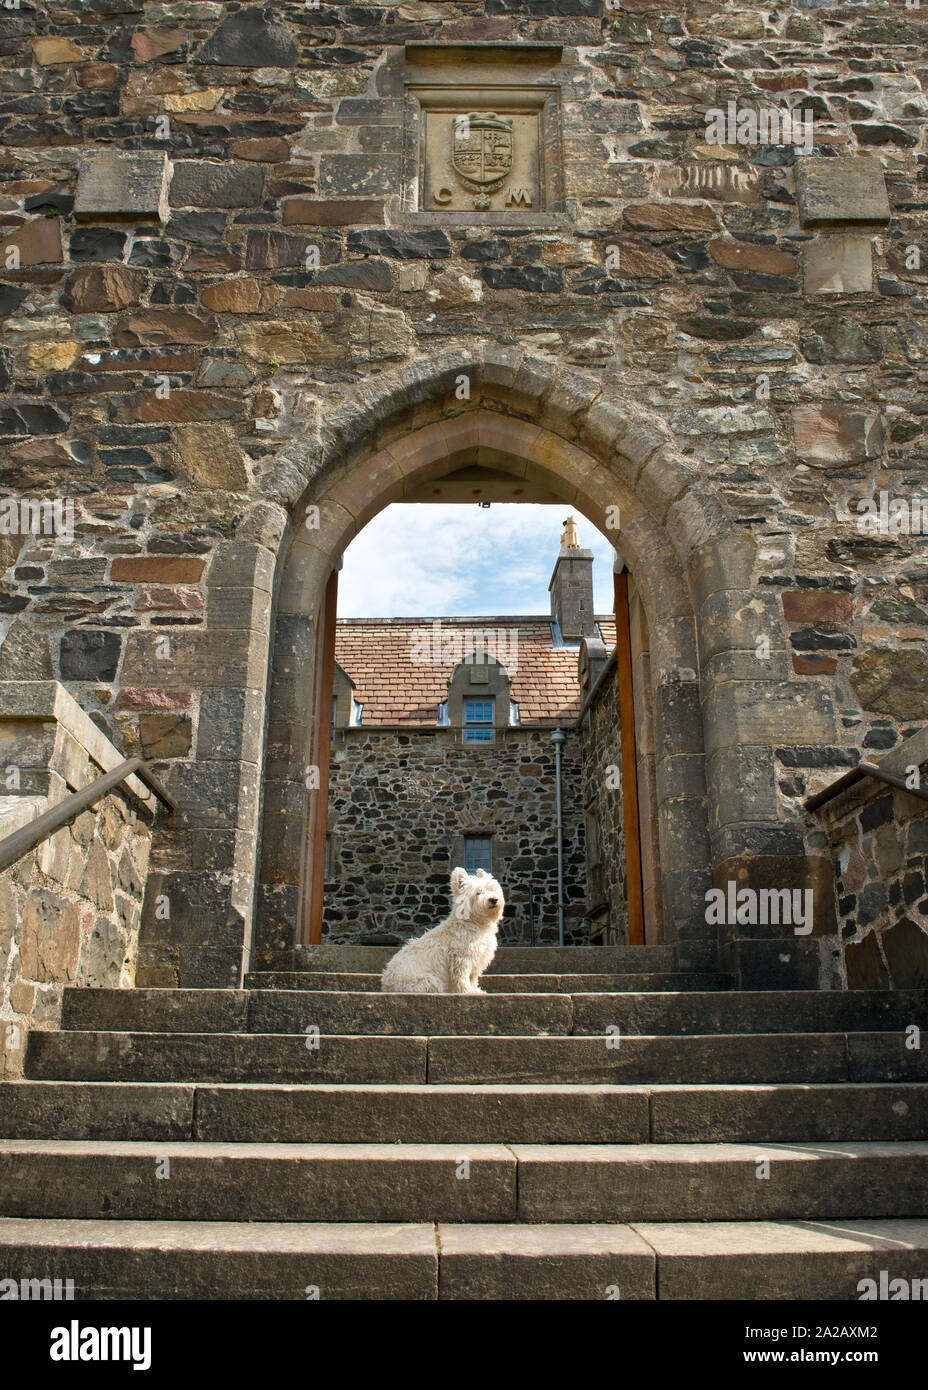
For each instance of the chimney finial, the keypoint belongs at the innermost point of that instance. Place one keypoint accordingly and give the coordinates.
(570, 539)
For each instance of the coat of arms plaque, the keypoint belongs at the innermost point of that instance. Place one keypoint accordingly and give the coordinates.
(481, 153)
(488, 149)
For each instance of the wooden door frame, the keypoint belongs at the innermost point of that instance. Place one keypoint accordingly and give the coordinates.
(314, 884)
(634, 894)
(634, 889)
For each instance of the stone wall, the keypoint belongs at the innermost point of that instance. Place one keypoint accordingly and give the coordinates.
(70, 909)
(601, 747)
(731, 338)
(879, 836)
(400, 804)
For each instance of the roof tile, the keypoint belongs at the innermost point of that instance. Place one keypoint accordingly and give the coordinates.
(377, 654)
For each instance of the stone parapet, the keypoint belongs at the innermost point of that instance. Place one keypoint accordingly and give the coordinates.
(70, 908)
(879, 838)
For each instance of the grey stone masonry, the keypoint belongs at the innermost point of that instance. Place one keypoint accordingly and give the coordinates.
(479, 1148)
(601, 747)
(109, 186)
(70, 909)
(571, 591)
(261, 277)
(879, 838)
(400, 806)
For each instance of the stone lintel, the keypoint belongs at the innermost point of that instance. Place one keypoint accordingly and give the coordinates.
(423, 51)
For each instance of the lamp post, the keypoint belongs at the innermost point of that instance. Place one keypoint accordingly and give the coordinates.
(559, 738)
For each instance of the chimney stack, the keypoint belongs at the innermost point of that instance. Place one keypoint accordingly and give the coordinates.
(571, 587)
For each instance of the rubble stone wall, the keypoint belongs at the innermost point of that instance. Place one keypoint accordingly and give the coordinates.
(70, 909)
(216, 284)
(879, 837)
(601, 747)
(400, 805)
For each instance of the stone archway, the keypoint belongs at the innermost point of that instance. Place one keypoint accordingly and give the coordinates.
(720, 712)
(552, 429)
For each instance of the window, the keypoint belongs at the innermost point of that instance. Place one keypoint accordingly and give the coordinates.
(478, 721)
(478, 853)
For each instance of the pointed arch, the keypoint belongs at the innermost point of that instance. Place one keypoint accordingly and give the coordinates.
(555, 428)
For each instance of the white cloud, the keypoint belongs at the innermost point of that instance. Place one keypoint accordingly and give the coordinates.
(448, 559)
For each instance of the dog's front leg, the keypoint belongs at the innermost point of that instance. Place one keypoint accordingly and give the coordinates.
(460, 970)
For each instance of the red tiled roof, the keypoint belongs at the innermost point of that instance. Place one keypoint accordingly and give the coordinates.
(377, 654)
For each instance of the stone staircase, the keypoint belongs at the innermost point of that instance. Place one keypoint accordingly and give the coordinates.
(601, 1125)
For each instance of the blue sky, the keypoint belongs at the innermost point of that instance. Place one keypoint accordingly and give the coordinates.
(434, 559)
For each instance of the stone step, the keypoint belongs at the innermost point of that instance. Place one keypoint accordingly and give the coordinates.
(98, 1056)
(524, 1060)
(533, 982)
(487, 1114)
(197, 1181)
(509, 960)
(762, 1260)
(293, 1011)
(753, 1011)
(80, 1179)
(497, 1262)
(336, 1114)
(698, 1059)
(363, 1012)
(156, 1010)
(224, 1259)
(789, 1113)
(720, 1182)
(782, 1260)
(759, 1260)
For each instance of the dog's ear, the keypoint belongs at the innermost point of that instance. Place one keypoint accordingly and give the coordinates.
(458, 879)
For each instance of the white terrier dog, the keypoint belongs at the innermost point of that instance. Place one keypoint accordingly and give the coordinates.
(451, 957)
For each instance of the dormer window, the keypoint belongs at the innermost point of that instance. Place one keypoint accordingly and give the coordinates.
(478, 700)
(346, 710)
(478, 721)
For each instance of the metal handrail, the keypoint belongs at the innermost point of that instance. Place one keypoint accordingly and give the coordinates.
(857, 774)
(14, 846)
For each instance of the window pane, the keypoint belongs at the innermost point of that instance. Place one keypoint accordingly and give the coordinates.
(479, 735)
(477, 853)
(478, 711)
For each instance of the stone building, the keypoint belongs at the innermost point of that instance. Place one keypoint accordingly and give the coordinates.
(443, 755)
(265, 271)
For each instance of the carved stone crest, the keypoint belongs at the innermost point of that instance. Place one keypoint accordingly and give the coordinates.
(481, 154)
(487, 149)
